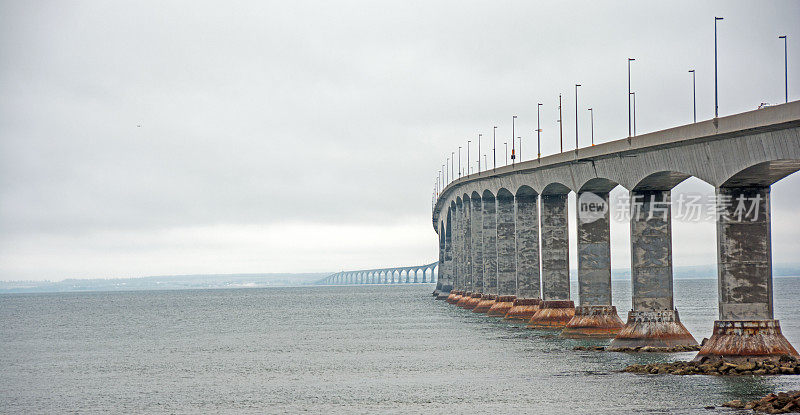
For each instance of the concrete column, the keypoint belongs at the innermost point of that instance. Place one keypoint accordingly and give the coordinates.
(653, 321)
(466, 255)
(476, 251)
(506, 255)
(556, 309)
(438, 289)
(489, 253)
(746, 328)
(447, 267)
(528, 295)
(458, 266)
(595, 316)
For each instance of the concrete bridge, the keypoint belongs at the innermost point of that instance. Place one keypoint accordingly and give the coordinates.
(490, 224)
(401, 275)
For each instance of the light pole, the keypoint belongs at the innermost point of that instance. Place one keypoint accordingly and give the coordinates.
(494, 146)
(560, 126)
(479, 153)
(629, 95)
(485, 163)
(716, 94)
(446, 170)
(513, 119)
(591, 114)
(459, 162)
(453, 164)
(520, 149)
(576, 116)
(538, 133)
(468, 143)
(634, 113)
(694, 95)
(506, 144)
(785, 68)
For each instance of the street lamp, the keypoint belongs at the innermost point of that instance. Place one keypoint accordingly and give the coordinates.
(716, 94)
(576, 116)
(694, 95)
(459, 162)
(479, 153)
(634, 113)
(453, 164)
(446, 170)
(629, 95)
(513, 119)
(494, 146)
(468, 143)
(538, 133)
(560, 126)
(785, 68)
(591, 114)
(520, 149)
(506, 144)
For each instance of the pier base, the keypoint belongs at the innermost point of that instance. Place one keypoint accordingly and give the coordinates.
(444, 292)
(466, 296)
(593, 321)
(473, 301)
(523, 308)
(487, 301)
(746, 341)
(454, 296)
(661, 328)
(552, 315)
(502, 304)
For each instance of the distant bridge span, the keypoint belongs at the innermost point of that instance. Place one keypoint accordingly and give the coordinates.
(419, 274)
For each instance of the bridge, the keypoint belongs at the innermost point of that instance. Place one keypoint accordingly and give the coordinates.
(490, 224)
(420, 274)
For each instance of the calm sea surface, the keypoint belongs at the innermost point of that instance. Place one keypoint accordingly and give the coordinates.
(360, 349)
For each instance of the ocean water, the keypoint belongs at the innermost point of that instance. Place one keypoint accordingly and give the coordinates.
(353, 349)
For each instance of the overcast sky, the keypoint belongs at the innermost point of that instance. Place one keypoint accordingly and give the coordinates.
(141, 138)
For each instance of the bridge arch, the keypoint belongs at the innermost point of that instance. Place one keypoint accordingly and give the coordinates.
(762, 174)
(556, 189)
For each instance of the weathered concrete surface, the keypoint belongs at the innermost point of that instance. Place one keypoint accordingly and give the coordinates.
(447, 274)
(523, 308)
(475, 298)
(552, 315)
(744, 254)
(489, 244)
(476, 240)
(502, 304)
(593, 321)
(527, 242)
(595, 316)
(651, 251)
(653, 321)
(745, 329)
(506, 245)
(653, 328)
(555, 247)
(486, 303)
(755, 340)
(594, 248)
(466, 245)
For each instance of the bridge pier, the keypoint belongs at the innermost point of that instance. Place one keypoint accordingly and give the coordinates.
(556, 309)
(476, 251)
(447, 267)
(506, 255)
(594, 316)
(746, 329)
(527, 298)
(466, 228)
(489, 249)
(438, 289)
(458, 277)
(653, 321)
